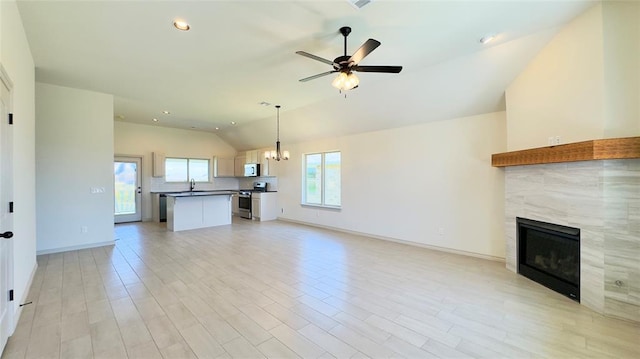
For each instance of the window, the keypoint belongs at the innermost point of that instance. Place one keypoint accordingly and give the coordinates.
(321, 180)
(184, 169)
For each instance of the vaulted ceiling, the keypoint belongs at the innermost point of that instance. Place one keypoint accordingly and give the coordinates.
(240, 53)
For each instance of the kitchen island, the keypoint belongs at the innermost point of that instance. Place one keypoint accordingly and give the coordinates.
(191, 210)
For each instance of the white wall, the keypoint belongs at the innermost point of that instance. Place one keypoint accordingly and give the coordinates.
(16, 59)
(142, 140)
(621, 48)
(584, 85)
(560, 92)
(74, 152)
(410, 182)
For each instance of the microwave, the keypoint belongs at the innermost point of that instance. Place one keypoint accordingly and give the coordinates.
(252, 170)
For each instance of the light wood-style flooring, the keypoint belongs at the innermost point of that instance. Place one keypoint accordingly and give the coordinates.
(282, 290)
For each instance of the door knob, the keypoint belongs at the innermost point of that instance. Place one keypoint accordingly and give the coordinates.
(6, 235)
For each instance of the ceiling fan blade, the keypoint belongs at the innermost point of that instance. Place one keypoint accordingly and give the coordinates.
(385, 69)
(316, 76)
(364, 50)
(314, 57)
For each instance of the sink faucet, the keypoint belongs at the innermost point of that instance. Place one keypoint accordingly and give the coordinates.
(193, 184)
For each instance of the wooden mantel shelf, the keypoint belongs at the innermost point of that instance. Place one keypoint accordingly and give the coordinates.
(606, 149)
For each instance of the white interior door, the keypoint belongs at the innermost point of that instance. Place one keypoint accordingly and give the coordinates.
(127, 172)
(6, 220)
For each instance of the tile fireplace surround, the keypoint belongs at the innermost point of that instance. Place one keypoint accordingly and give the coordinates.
(602, 198)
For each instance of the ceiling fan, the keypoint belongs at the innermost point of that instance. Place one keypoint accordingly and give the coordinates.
(346, 65)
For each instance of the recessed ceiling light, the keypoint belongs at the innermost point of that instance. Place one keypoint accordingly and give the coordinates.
(155, 120)
(233, 122)
(166, 112)
(217, 128)
(181, 25)
(487, 39)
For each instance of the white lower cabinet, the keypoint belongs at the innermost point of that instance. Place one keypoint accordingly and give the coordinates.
(186, 211)
(255, 206)
(235, 204)
(264, 206)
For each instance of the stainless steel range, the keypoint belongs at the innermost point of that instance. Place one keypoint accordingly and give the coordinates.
(244, 198)
(244, 204)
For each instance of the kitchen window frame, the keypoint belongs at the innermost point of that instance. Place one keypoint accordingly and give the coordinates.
(188, 159)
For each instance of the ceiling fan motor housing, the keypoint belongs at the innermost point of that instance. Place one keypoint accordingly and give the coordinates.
(341, 63)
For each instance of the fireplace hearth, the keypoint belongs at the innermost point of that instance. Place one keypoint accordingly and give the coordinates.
(550, 255)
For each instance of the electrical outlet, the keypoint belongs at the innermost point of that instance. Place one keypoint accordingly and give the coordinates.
(84, 229)
(441, 231)
(551, 141)
(557, 140)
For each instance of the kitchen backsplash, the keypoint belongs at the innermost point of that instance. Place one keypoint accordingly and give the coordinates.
(159, 185)
(246, 183)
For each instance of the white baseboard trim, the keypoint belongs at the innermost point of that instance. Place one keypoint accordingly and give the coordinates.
(401, 241)
(18, 311)
(75, 248)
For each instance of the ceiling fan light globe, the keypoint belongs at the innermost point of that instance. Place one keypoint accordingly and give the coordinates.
(351, 81)
(339, 81)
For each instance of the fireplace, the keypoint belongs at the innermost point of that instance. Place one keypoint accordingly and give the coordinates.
(601, 198)
(550, 255)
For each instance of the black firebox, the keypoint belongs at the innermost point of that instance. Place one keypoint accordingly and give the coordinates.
(550, 255)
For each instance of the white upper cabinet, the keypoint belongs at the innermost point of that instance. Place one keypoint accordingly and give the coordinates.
(264, 164)
(239, 166)
(223, 167)
(273, 167)
(158, 164)
(252, 157)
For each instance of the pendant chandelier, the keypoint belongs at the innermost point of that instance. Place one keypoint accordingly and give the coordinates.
(277, 154)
